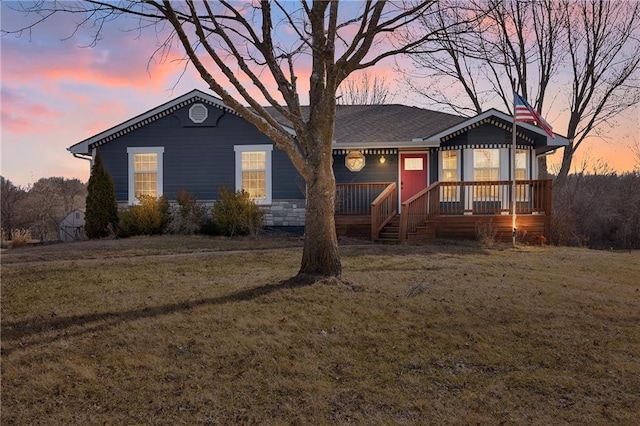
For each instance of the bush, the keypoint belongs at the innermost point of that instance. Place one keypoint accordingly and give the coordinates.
(20, 237)
(235, 213)
(486, 234)
(189, 216)
(150, 217)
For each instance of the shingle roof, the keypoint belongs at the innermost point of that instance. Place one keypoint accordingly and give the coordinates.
(378, 124)
(389, 123)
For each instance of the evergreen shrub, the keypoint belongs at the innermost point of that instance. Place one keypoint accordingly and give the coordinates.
(101, 214)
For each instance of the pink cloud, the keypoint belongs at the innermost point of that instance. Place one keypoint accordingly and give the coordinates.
(85, 66)
(119, 60)
(20, 115)
(108, 114)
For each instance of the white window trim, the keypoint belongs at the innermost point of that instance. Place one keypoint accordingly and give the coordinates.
(267, 149)
(527, 163)
(458, 172)
(501, 171)
(527, 173)
(504, 172)
(131, 151)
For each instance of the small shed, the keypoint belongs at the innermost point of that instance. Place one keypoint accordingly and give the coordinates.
(72, 226)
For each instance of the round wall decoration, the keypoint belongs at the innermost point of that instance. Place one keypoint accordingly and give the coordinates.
(355, 161)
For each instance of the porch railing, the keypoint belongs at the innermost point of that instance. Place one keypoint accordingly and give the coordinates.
(383, 209)
(478, 198)
(354, 199)
(418, 209)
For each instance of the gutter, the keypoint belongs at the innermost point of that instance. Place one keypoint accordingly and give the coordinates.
(82, 156)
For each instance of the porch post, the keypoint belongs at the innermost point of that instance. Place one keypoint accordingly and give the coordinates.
(513, 175)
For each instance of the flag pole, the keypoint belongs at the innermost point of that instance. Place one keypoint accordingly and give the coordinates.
(513, 171)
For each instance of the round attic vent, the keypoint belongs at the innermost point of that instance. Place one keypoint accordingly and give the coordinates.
(198, 113)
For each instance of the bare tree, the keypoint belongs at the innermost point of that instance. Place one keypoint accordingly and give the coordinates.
(636, 153)
(10, 197)
(537, 43)
(603, 43)
(46, 203)
(448, 66)
(364, 90)
(232, 43)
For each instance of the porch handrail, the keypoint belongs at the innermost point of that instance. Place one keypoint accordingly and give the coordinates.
(383, 209)
(494, 197)
(418, 209)
(477, 197)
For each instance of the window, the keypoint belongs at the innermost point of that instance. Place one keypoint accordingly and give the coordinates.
(449, 174)
(521, 174)
(414, 163)
(253, 171)
(486, 167)
(521, 164)
(145, 172)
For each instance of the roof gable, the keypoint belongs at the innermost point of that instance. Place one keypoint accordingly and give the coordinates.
(85, 147)
(526, 131)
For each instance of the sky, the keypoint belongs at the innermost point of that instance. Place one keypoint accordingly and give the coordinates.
(56, 92)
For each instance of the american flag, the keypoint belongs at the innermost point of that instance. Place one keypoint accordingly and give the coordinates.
(525, 112)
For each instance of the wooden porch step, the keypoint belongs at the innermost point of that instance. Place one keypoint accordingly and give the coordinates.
(390, 234)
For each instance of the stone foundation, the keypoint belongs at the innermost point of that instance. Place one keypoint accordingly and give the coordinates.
(279, 213)
(284, 213)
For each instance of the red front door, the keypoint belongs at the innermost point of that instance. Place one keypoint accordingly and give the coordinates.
(413, 174)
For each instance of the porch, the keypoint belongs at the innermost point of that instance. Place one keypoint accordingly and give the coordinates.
(444, 210)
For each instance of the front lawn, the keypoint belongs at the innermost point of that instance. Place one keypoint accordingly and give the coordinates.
(175, 330)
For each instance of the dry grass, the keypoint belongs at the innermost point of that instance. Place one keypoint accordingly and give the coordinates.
(148, 333)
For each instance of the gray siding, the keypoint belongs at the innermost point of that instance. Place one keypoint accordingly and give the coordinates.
(287, 182)
(487, 134)
(198, 158)
(373, 171)
(433, 159)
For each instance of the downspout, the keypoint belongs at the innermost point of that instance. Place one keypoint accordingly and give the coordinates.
(84, 157)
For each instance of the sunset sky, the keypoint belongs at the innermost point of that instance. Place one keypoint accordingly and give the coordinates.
(56, 93)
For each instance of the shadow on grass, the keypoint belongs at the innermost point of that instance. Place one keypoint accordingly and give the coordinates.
(32, 332)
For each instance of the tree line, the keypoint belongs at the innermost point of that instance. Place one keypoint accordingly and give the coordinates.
(599, 210)
(39, 208)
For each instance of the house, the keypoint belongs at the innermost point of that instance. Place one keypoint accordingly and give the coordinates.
(402, 172)
(72, 226)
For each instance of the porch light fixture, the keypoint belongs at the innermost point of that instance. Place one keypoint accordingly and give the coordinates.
(382, 159)
(355, 161)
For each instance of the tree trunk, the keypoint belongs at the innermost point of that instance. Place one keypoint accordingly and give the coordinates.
(321, 255)
(543, 171)
(567, 157)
